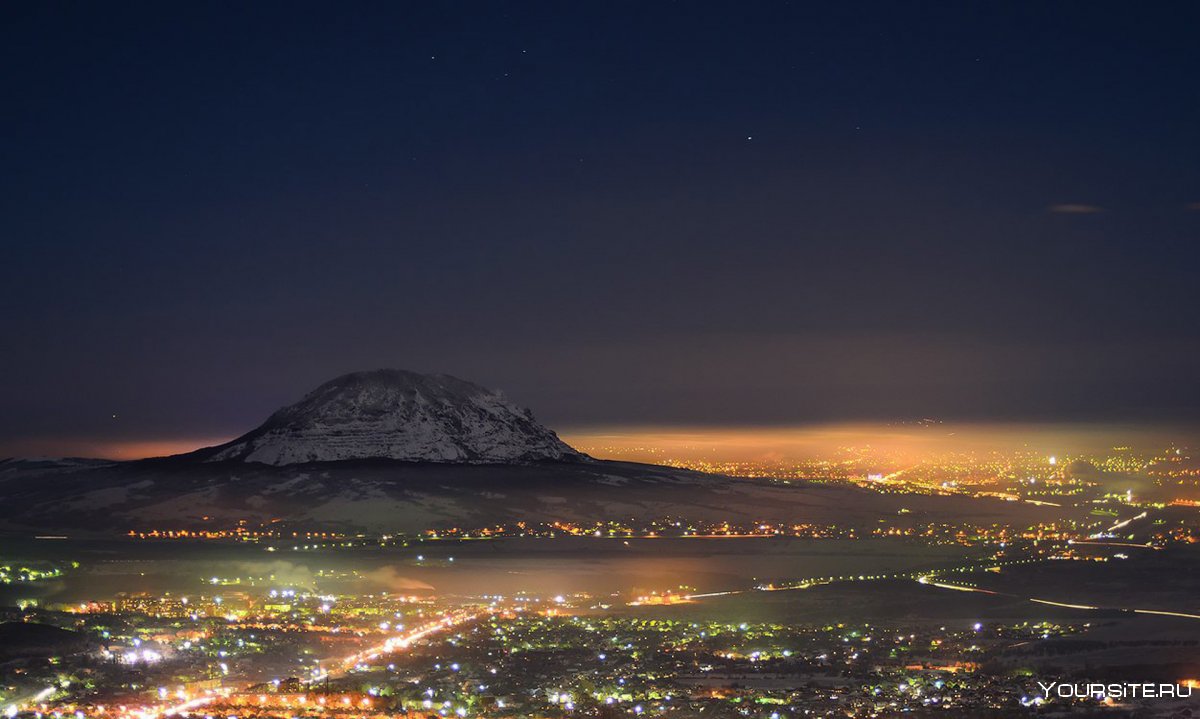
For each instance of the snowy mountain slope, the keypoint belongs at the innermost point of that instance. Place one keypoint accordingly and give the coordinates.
(395, 414)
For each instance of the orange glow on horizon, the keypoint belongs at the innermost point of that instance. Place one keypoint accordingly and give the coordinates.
(824, 441)
(118, 449)
(656, 444)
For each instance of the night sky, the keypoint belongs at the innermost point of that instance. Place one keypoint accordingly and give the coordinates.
(647, 212)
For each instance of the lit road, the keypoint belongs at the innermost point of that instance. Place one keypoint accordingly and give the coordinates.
(191, 698)
(930, 582)
(402, 641)
(796, 585)
(339, 666)
(1119, 525)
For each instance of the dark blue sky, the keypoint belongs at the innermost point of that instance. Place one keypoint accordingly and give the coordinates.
(617, 212)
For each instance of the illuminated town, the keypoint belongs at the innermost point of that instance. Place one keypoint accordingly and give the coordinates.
(306, 629)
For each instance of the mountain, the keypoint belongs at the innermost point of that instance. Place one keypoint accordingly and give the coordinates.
(399, 415)
(393, 451)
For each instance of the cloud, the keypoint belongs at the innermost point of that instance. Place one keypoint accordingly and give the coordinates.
(389, 578)
(1193, 206)
(1074, 209)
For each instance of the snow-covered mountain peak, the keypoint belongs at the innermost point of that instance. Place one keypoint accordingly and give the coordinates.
(396, 414)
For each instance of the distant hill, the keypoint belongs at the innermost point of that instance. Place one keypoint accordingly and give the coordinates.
(383, 496)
